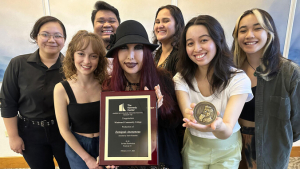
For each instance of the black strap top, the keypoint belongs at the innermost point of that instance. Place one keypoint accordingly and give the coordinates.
(84, 117)
(248, 112)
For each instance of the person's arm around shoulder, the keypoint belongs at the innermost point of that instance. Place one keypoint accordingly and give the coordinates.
(61, 113)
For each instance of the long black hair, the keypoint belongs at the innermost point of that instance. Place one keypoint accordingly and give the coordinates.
(220, 65)
(179, 24)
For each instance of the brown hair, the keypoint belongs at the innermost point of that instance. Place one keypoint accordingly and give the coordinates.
(81, 41)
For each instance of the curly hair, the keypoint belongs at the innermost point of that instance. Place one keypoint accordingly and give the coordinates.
(80, 41)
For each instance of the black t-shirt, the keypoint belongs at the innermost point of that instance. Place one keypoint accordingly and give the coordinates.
(28, 86)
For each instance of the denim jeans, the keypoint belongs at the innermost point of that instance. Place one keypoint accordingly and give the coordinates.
(41, 144)
(90, 145)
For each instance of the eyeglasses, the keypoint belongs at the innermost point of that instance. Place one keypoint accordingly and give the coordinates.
(47, 36)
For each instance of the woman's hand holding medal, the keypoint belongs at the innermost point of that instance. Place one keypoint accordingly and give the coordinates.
(203, 117)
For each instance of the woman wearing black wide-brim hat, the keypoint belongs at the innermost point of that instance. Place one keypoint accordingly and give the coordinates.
(134, 69)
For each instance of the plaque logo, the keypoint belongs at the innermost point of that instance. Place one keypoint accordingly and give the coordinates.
(121, 107)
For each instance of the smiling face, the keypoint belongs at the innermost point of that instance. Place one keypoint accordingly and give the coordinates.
(51, 45)
(164, 26)
(86, 61)
(105, 24)
(200, 47)
(252, 37)
(131, 58)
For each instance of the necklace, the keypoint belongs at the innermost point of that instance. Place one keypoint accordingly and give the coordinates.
(129, 85)
(251, 67)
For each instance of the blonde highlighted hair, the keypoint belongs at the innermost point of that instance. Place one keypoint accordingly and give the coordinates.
(271, 52)
(80, 41)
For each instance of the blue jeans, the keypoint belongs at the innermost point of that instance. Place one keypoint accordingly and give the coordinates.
(90, 145)
(41, 144)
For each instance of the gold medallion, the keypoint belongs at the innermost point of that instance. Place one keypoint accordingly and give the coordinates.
(205, 113)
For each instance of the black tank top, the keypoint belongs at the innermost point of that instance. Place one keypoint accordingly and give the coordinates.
(248, 112)
(84, 117)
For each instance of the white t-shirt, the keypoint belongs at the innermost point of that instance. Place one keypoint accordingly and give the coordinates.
(239, 84)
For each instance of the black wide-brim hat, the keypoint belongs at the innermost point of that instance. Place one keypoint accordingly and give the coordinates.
(129, 32)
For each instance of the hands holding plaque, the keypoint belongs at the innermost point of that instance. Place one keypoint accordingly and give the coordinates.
(203, 117)
(160, 97)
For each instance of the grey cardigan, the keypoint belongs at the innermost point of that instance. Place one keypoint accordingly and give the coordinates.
(277, 116)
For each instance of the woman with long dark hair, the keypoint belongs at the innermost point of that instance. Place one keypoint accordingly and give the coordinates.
(167, 29)
(134, 69)
(270, 122)
(206, 73)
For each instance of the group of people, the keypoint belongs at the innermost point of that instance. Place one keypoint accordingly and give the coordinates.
(50, 103)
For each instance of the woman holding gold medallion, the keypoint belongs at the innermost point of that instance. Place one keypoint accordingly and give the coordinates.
(206, 73)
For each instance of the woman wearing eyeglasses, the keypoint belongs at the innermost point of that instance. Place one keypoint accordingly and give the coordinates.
(27, 98)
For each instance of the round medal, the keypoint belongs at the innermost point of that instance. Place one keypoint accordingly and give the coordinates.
(205, 113)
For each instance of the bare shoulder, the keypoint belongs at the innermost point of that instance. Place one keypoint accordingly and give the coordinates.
(59, 90)
(60, 94)
(58, 87)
